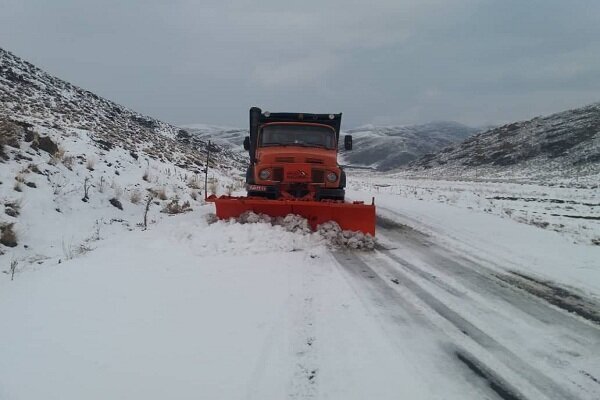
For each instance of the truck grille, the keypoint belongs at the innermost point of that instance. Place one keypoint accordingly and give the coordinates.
(278, 174)
(284, 159)
(318, 176)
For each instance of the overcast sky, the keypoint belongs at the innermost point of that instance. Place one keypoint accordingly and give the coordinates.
(389, 61)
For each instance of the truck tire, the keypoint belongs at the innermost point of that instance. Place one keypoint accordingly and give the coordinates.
(330, 194)
(250, 175)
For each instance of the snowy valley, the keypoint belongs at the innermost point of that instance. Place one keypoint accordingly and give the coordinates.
(117, 281)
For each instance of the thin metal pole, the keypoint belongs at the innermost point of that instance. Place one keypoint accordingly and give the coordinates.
(206, 171)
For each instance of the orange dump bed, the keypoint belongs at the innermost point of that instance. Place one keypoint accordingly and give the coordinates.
(355, 216)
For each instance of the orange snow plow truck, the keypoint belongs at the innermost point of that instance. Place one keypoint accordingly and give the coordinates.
(294, 169)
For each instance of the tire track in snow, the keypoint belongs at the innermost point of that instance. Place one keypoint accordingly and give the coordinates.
(501, 387)
(304, 379)
(509, 359)
(486, 281)
(572, 316)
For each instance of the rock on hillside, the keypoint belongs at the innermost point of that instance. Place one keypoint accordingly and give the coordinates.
(389, 147)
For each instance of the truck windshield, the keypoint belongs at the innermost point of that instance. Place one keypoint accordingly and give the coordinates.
(297, 135)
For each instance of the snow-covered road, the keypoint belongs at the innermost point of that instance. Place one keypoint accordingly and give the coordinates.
(228, 311)
(492, 324)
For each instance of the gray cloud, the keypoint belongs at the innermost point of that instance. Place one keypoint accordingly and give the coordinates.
(392, 61)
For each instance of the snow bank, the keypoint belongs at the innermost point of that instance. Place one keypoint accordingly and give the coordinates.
(337, 237)
(329, 233)
(524, 228)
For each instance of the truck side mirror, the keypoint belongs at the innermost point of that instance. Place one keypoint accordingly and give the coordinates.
(348, 142)
(247, 143)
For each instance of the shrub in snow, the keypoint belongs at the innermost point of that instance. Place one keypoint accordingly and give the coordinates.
(147, 208)
(212, 186)
(101, 184)
(58, 157)
(90, 163)
(8, 236)
(10, 135)
(86, 189)
(173, 207)
(34, 168)
(161, 193)
(68, 162)
(12, 208)
(194, 182)
(117, 189)
(13, 269)
(135, 197)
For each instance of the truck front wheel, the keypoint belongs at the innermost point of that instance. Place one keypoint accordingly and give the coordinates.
(330, 194)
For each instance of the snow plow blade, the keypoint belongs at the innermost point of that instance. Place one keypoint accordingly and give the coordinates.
(355, 216)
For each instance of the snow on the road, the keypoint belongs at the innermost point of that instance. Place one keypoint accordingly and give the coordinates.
(252, 309)
(192, 310)
(461, 216)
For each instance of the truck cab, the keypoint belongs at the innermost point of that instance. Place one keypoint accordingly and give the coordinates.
(294, 156)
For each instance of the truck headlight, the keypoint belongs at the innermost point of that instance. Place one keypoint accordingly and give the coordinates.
(265, 174)
(331, 176)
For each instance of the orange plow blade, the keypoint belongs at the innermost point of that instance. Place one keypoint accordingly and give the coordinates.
(355, 216)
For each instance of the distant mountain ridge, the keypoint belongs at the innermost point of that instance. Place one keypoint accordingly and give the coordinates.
(389, 147)
(380, 147)
(228, 137)
(562, 144)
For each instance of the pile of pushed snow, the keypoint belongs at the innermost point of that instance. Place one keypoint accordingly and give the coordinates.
(329, 232)
(337, 237)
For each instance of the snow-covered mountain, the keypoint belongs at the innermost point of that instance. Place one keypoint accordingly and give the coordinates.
(564, 144)
(73, 164)
(228, 137)
(389, 147)
(33, 98)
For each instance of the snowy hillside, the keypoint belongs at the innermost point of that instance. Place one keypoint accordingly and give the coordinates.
(73, 165)
(389, 147)
(34, 98)
(565, 144)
